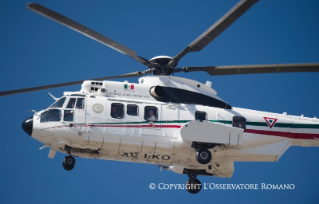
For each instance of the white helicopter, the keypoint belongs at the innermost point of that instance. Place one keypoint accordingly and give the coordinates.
(176, 123)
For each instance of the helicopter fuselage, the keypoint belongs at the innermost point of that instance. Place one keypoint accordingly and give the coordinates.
(112, 121)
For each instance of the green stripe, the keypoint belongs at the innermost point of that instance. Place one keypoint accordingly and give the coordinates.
(282, 125)
(286, 125)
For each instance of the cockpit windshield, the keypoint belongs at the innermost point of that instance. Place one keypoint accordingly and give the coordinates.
(51, 115)
(55, 113)
(59, 103)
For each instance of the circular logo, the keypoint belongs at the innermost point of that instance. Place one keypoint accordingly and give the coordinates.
(98, 108)
(152, 186)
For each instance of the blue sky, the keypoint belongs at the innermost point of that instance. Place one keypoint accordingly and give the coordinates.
(36, 51)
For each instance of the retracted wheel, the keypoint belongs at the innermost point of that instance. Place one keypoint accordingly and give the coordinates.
(193, 186)
(68, 163)
(203, 156)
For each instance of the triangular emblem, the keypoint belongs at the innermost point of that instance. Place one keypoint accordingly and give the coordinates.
(270, 121)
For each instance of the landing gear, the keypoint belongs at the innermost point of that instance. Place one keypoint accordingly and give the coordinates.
(193, 185)
(69, 161)
(203, 156)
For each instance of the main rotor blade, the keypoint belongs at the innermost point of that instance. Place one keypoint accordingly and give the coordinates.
(253, 69)
(217, 28)
(39, 88)
(86, 31)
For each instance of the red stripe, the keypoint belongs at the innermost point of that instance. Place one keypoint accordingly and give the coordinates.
(262, 132)
(137, 126)
(284, 134)
(125, 126)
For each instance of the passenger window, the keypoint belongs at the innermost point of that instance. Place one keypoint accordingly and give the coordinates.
(80, 103)
(71, 103)
(117, 110)
(51, 116)
(150, 113)
(132, 109)
(59, 103)
(239, 122)
(200, 115)
(68, 115)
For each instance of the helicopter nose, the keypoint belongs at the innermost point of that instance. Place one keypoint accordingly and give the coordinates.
(27, 125)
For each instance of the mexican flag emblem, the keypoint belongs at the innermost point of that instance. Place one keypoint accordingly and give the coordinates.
(129, 86)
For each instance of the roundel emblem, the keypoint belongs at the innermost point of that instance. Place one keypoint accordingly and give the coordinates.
(98, 108)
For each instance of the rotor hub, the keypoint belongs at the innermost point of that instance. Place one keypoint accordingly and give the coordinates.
(162, 65)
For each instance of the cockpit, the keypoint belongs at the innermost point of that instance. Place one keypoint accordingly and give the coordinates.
(63, 109)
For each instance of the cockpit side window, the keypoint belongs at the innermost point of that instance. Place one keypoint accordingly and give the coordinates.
(51, 115)
(59, 103)
(239, 122)
(71, 103)
(68, 115)
(80, 103)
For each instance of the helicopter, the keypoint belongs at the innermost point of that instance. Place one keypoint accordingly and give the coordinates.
(166, 112)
